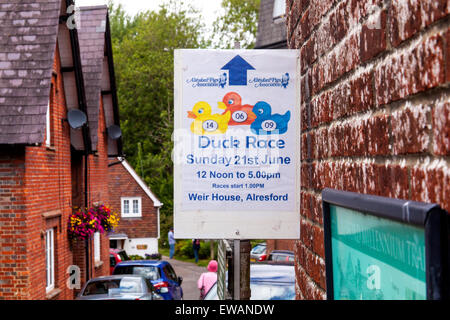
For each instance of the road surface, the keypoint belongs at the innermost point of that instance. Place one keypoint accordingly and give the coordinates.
(190, 273)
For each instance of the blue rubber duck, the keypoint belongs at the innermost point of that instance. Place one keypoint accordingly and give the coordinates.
(267, 123)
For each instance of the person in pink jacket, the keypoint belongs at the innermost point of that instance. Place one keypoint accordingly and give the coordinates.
(207, 279)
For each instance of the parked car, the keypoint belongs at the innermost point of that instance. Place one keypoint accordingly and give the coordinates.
(281, 255)
(268, 281)
(258, 253)
(160, 273)
(119, 287)
(116, 256)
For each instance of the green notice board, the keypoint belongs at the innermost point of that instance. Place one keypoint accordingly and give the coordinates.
(379, 248)
(375, 258)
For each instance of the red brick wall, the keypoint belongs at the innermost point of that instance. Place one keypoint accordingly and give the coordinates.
(280, 245)
(122, 184)
(98, 190)
(97, 193)
(374, 109)
(35, 181)
(14, 280)
(47, 188)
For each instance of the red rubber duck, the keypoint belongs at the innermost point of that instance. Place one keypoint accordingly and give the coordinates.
(240, 114)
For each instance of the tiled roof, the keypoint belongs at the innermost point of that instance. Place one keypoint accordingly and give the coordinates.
(28, 33)
(91, 34)
(271, 33)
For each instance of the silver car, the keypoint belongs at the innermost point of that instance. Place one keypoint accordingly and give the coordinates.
(258, 253)
(119, 287)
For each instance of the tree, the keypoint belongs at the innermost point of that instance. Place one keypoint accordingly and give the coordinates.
(143, 48)
(238, 22)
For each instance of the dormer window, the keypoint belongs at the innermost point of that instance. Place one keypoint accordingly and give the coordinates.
(48, 119)
(279, 9)
(48, 131)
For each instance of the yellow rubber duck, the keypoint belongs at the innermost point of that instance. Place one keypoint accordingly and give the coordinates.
(207, 123)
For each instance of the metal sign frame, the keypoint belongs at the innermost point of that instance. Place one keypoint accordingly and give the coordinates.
(430, 217)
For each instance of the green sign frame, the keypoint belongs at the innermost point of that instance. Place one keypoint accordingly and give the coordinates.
(379, 248)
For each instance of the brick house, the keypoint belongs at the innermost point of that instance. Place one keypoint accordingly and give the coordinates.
(375, 109)
(138, 231)
(41, 157)
(102, 113)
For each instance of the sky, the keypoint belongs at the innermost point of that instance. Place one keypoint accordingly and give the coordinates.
(208, 8)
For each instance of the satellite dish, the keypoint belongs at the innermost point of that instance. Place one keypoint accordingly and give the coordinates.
(76, 118)
(114, 132)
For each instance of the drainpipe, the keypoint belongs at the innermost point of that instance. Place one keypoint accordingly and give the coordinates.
(121, 159)
(83, 107)
(86, 241)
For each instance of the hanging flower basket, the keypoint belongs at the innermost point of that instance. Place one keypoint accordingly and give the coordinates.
(108, 219)
(83, 222)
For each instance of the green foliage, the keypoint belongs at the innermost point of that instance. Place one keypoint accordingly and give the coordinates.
(205, 250)
(143, 49)
(135, 257)
(183, 248)
(238, 22)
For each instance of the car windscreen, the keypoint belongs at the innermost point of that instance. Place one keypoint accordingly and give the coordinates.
(150, 272)
(258, 249)
(114, 287)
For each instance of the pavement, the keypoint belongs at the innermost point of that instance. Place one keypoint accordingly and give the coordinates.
(190, 273)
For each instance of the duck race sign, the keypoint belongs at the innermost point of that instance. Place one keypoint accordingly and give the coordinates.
(237, 144)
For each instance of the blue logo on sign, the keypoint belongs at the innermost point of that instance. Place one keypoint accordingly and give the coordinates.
(285, 80)
(223, 80)
(237, 70)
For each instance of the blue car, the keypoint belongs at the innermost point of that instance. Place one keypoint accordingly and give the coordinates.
(160, 273)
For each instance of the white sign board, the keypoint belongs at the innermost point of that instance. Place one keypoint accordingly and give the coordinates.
(237, 144)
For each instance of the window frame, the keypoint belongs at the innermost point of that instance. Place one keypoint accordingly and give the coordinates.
(50, 259)
(97, 247)
(48, 127)
(131, 213)
(277, 4)
(49, 141)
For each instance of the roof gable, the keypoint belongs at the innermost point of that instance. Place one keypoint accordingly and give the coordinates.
(91, 34)
(140, 182)
(98, 72)
(28, 37)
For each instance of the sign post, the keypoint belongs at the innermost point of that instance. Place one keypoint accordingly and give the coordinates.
(237, 270)
(221, 270)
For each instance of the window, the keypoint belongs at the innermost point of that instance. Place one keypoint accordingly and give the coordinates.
(48, 122)
(170, 273)
(150, 272)
(50, 259)
(131, 207)
(97, 246)
(48, 132)
(279, 8)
